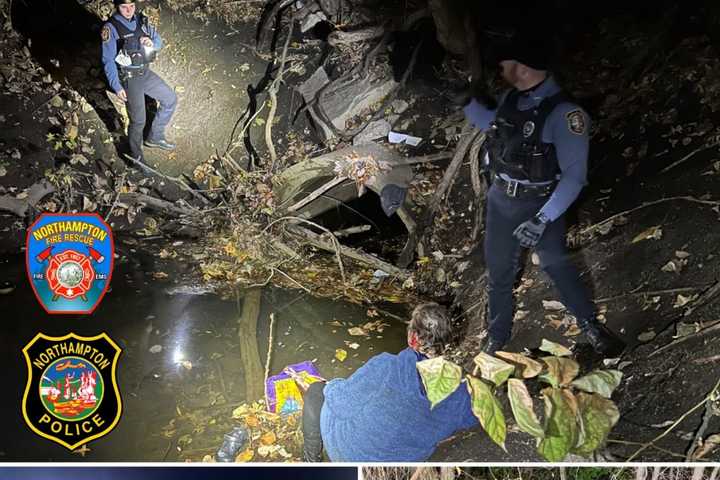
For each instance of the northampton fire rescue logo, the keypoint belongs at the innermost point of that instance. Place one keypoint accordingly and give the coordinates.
(72, 395)
(69, 261)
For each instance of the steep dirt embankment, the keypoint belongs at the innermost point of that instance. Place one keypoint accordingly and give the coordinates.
(645, 237)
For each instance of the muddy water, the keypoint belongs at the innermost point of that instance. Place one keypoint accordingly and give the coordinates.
(196, 367)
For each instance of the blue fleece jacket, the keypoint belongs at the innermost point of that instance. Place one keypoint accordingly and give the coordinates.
(381, 414)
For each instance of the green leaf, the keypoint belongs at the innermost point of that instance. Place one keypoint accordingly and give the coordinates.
(554, 348)
(553, 449)
(561, 371)
(561, 426)
(599, 415)
(599, 381)
(493, 369)
(440, 378)
(522, 408)
(525, 367)
(488, 410)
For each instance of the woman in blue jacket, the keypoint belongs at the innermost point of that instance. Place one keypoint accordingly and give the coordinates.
(381, 412)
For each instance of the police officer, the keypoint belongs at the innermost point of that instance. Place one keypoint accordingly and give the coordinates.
(537, 152)
(129, 45)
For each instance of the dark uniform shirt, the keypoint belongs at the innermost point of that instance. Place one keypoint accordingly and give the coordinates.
(567, 127)
(109, 47)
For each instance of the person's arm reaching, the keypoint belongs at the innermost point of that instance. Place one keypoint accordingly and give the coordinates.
(570, 127)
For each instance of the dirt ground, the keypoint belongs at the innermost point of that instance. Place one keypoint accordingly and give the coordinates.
(644, 121)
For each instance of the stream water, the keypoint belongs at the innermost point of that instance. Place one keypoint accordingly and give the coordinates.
(197, 362)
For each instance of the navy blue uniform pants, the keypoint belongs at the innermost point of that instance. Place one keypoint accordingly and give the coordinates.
(136, 87)
(313, 401)
(502, 257)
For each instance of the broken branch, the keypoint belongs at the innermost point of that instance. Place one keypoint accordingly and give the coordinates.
(35, 194)
(686, 198)
(317, 193)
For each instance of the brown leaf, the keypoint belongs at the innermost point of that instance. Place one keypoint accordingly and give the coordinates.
(268, 438)
(526, 367)
(245, 456)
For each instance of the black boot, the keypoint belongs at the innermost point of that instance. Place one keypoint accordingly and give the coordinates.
(597, 335)
(492, 346)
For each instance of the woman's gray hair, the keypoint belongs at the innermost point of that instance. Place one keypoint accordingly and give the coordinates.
(432, 325)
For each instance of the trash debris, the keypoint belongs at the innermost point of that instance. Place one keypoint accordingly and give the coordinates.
(233, 442)
(395, 137)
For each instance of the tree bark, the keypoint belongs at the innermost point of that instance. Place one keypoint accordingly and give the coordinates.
(247, 334)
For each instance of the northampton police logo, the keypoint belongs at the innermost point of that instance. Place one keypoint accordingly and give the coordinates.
(72, 395)
(69, 261)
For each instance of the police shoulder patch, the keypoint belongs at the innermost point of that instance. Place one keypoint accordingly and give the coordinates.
(576, 122)
(105, 33)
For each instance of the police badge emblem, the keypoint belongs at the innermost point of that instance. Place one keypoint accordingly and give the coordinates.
(69, 260)
(72, 395)
(528, 128)
(576, 122)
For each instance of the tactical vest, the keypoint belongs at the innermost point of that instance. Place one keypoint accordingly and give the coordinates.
(129, 41)
(515, 143)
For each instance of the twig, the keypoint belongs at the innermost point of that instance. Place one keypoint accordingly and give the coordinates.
(715, 327)
(291, 279)
(244, 129)
(650, 292)
(689, 156)
(318, 192)
(676, 423)
(664, 450)
(697, 440)
(175, 180)
(264, 284)
(686, 198)
(352, 230)
(117, 197)
(272, 92)
(334, 240)
(706, 360)
(270, 345)
(433, 157)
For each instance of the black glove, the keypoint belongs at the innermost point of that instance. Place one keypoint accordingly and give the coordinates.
(530, 231)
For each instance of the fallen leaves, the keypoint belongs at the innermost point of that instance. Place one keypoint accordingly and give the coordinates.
(652, 233)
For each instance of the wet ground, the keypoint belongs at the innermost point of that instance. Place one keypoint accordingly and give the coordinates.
(198, 367)
(209, 66)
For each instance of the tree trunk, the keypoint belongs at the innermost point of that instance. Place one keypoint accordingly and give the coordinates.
(247, 334)
(698, 473)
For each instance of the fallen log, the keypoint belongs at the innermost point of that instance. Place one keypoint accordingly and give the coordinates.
(351, 231)
(338, 37)
(247, 334)
(35, 194)
(156, 204)
(316, 240)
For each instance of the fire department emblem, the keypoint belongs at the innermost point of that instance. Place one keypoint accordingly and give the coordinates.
(71, 396)
(69, 261)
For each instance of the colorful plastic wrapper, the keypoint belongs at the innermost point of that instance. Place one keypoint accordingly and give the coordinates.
(283, 392)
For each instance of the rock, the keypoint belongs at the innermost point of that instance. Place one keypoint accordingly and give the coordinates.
(375, 130)
(399, 106)
(311, 20)
(312, 85)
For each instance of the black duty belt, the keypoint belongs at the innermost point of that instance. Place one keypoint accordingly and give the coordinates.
(520, 190)
(133, 72)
